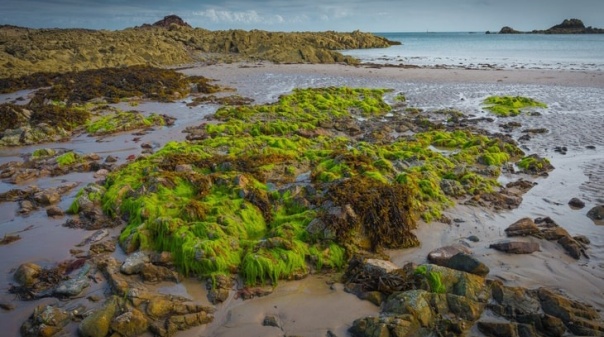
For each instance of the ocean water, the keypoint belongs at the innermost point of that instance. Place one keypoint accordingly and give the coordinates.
(482, 51)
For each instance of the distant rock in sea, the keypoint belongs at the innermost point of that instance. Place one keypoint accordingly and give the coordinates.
(568, 26)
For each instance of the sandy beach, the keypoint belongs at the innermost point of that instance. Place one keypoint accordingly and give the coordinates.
(318, 305)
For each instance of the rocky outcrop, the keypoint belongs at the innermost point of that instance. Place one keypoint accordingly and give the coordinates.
(568, 26)
(464, 303)
(170, 20)
(542, 228)
(33, 50)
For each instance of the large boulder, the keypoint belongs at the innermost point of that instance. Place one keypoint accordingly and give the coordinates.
(98, 323)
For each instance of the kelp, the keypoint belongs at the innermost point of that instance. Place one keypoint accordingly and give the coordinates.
(112, 84)
(510, 105)
(232, 202)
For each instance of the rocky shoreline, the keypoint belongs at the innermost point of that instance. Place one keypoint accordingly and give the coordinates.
(298, 186)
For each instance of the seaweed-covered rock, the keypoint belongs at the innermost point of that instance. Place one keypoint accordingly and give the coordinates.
(45, 321)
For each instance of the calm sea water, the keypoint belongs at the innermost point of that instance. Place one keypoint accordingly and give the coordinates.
(480, 50)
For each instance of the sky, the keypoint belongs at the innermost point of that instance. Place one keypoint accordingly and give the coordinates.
(306, 15)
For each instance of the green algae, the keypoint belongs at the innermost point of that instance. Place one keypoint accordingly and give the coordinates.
(68, 158)
(122, 121)
(433, 279)
(232, 212)
(510, 105)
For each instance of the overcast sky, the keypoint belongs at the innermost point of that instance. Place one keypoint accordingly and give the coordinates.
(303, 15)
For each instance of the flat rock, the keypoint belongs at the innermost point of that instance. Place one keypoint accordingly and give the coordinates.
(516, 247)
(442, 254)
(380, 267)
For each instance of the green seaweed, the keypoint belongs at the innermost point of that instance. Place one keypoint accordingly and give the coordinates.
(239, 209)
(123, 121)
(510, 105)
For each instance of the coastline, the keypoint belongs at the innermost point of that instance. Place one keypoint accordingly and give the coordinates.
(551, 267)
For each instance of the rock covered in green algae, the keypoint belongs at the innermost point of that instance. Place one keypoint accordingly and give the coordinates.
(229, 212)
(506, 106)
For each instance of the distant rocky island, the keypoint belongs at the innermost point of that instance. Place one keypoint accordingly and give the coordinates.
(168, 42)
(568, 26)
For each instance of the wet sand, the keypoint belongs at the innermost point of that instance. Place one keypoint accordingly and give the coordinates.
(313, 306)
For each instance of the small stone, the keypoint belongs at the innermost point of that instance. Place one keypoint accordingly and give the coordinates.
(7, 306)
(597, 214)
(473, 238)
(102, 173)
(271, 320)
(135, 263)
(576, 203)
(110, 159)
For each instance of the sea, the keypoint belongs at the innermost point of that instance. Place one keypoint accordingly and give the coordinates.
(478, 50)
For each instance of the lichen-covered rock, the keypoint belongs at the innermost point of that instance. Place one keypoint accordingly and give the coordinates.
(134, 263)
(132, 323)
(27, 274)
(45, 321)
(98, 323)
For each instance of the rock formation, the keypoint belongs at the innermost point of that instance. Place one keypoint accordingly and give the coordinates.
(568, 26)
(170, 41)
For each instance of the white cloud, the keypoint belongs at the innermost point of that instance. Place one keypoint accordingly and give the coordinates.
(244, 17)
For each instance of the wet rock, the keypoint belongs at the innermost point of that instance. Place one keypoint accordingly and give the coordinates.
(161, 258)
(379, 267)
(103, 247)
(582, 239)
(597, 214)
(452, 187)
(134, 263)
(110, 159)
(27, 274)
(7, 306)
(95, 237)
(45, 321)
(466, 263)
(219, 288)
(439, 256)
(101, 174)
(522, 227)
(130, 324)
(516, 247)
(580, 319)
(271, 320)
(98, 323)
(47, 197)
(154, 274)
(572, 247)
(26, 207)
(576, 203)
(74, 286)
(54, 211)
(498, 329)
(319, 228)
(473, 238)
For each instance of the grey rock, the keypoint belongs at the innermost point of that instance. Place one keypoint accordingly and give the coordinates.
(597, 214)
(576, 203)
(467, 263)
(135, 263)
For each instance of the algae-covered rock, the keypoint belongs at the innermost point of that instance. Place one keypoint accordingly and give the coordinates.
(45, 321)
(130, 324)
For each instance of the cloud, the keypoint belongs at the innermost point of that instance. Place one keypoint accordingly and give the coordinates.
(238, 17)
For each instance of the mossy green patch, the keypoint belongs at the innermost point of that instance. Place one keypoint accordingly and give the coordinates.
(122, 121)
(240, 208)
(510, 105)
(68, 158)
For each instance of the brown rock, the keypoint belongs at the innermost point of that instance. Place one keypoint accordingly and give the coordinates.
(572, 247)
(597, 214)
(54, 211)
(27, 274)
(516, 247)
(522, 227)
(153, 274)
(576, 203)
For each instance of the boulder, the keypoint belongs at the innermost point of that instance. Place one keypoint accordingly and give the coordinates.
(516, 247)
(522, 227)
(572, 247)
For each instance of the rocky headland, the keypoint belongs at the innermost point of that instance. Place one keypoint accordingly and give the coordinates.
(568, 26)
(168, 42)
